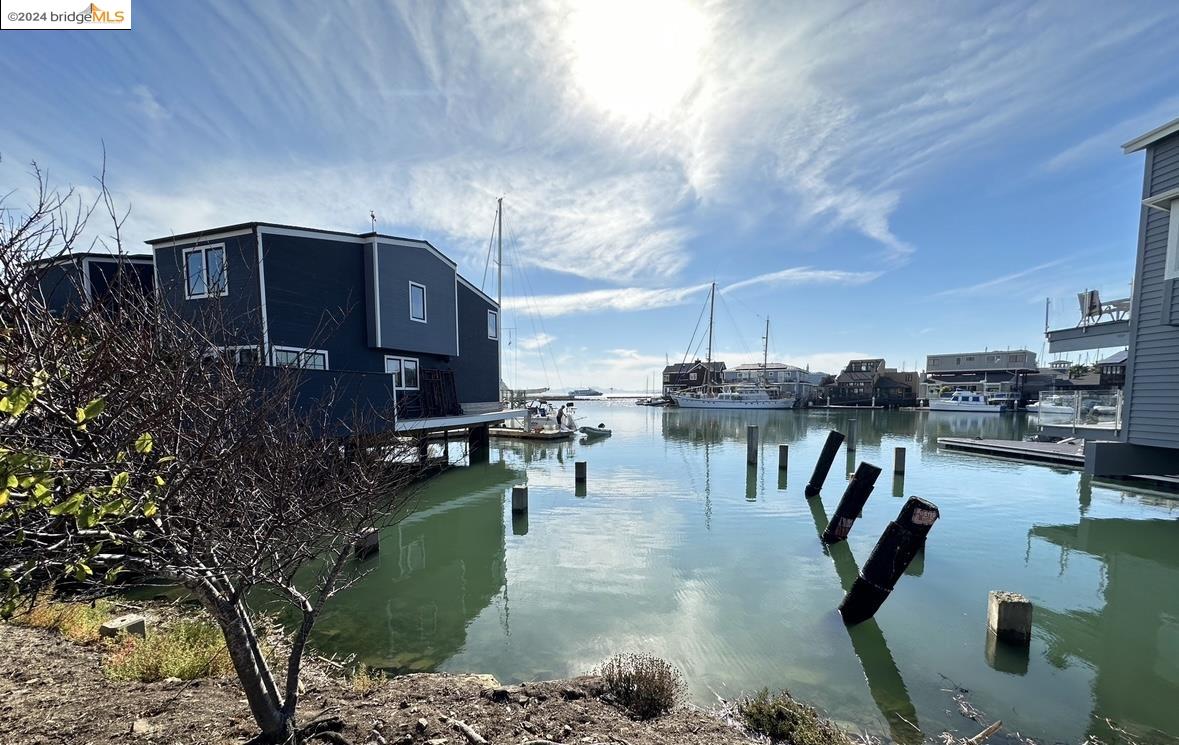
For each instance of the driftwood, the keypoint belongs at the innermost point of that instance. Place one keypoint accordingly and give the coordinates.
(468, 732)
(981, 737)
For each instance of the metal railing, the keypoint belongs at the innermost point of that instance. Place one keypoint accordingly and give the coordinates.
(1091, 409)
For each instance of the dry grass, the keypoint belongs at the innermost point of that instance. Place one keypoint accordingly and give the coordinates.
(365, 680)
(783, 718)
(77, 622)
(185, 649)
(644, 685)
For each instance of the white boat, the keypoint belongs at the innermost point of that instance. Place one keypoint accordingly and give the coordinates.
(731, 397)
(968, 401)
(1051, 405)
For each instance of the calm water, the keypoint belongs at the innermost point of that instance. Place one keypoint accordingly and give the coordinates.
(678, 549)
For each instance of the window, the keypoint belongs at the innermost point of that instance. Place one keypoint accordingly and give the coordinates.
(492, 324)
(204, 272)
(242, 355)
(404, 371)
(1172, 266)
(692, 376)
(310, 359)
(417, 302)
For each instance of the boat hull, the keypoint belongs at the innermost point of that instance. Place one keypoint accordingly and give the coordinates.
(688, 402)
(979, 408)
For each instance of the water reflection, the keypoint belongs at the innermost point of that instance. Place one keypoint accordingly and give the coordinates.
(1132, 642)
(436, 570)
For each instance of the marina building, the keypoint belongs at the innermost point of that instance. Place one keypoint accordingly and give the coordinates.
(692, 375)
(989, 371)
(869, 382)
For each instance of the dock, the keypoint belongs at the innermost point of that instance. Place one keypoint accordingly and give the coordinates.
(1068, 454)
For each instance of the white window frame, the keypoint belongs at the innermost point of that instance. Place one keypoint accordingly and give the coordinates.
(301, 351)
(235, 351)
(203, 251)
(490, 315)
(425, 304)
(1171, 267)
(401, 372)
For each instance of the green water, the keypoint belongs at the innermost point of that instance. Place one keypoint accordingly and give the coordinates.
(677, 548)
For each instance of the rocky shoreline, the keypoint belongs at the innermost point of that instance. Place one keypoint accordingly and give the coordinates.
(55, 692)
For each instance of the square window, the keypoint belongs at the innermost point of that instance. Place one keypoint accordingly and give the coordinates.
(204, 272)
(417, 302)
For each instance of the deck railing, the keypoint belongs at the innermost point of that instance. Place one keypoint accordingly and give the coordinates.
(1089, 409)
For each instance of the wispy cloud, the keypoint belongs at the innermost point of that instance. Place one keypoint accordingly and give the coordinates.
(1108, 142)
(805, 275)
(998, 283)
(593, 301)
(537, 341)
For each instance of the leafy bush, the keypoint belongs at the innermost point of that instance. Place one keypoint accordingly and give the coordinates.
(77, 622)
(644, 685)
(185, 650)
(783, 718)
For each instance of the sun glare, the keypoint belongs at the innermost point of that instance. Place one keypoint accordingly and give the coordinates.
(634, 59)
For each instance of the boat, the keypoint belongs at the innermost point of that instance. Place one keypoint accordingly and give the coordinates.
(733, 396)
(541, 421)
(653, 401)
(585, 392)
(595, 432)
(969, 401)
(1051, 405)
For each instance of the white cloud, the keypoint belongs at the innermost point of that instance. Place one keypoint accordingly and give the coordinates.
(616, 299)
(537, 341)
(147, 104)
(805, 275)
(1002, 283)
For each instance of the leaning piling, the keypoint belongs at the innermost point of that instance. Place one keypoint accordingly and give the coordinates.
(823, 465)
(853, 501)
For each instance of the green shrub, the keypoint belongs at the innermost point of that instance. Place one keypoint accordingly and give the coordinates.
(185, 650)
(77, 622)
(783, 718)
(644, 685)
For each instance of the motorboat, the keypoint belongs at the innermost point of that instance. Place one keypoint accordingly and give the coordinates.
(1052, 405)
(969, 401)
(595, 432)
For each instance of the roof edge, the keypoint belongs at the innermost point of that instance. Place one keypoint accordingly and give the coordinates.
(1151, 137)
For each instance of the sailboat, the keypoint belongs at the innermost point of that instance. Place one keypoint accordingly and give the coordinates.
(734, 395)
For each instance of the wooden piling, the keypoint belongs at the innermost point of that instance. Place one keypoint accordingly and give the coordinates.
(899, 543)
(898, 461)
(579, 472)
(520, 498)
(823, 464)
(851, 504)
(751, 444)
(853, 431)
(783, 457)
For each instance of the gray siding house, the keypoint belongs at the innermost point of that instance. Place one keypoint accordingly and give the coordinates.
(72, 282)
(1149, 440)
(380, 317)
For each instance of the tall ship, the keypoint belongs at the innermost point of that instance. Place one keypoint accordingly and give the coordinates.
(735, 395)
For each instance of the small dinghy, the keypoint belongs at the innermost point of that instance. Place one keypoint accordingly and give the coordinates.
(598, 431)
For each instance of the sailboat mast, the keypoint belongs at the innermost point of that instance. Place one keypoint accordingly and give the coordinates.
(711, 308)
(765, 354)
(499, 292)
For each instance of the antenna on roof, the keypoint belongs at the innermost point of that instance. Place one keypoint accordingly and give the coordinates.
(373, 216)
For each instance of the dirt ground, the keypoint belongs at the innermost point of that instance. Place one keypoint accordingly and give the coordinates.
(54, 691)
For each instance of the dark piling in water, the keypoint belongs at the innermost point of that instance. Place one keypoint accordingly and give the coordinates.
(853, 501)
(823, 465)
(751, 445)
(899, 543)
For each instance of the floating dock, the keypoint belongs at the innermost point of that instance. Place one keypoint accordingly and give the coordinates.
(1068, 454)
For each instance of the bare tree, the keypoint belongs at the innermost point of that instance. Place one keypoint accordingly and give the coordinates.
(127, 446)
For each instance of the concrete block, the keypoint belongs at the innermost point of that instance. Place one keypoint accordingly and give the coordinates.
(1009, 617)
(520, 498)
(131, 623)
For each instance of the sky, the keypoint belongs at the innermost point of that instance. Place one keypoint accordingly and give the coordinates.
(877, 179)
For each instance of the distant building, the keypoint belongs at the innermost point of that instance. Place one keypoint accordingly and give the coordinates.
(803, 384)
(691, 375)
(869, 382)
(1112, 370)
(995, 371)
